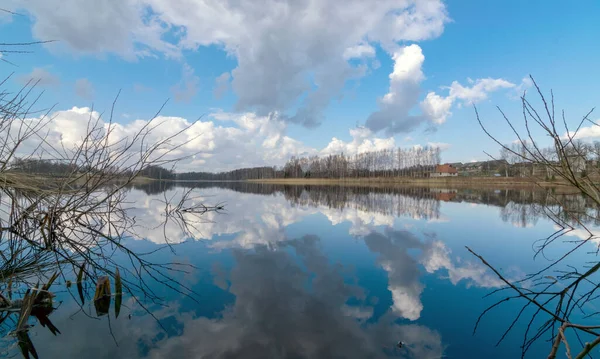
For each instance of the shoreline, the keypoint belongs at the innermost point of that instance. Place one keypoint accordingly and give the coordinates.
(400, 181)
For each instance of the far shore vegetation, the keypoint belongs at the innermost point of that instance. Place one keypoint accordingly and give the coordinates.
(417, 165)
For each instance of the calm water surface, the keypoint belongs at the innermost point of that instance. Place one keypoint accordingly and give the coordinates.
(323, 272)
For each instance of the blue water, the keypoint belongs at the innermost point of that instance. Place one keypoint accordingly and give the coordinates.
(294, 274)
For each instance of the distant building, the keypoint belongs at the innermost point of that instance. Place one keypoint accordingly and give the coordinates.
(445, 170)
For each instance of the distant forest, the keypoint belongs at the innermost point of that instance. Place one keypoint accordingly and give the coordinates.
(55, 168)
(412, 162)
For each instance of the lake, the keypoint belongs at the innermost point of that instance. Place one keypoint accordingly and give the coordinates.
(323, 272)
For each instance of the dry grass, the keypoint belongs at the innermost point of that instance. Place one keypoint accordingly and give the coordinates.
(451, 182)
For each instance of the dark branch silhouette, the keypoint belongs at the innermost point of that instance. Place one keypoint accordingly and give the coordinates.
(561, 293)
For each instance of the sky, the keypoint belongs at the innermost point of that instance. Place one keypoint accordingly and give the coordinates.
(266, 80)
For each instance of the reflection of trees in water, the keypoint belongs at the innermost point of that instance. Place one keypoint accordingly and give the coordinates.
(421, 205)
(521, 207)
(417, 202)
(155, 187)
(521, 214)
(527, 207)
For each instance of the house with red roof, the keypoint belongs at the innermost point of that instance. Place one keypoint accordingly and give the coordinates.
(445, 170)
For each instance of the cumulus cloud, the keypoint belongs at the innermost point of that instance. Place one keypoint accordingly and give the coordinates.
(40, 77)
(403, 94)
(290, 54)
(585, 133)
(221, 141)
(479, 89)
(437, 108)
(363, 140)
(188, 86)
(65, 130)
(396, 107)
(84, 89)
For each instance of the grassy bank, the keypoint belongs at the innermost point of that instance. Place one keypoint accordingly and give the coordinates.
(451, 182)
(142, 180)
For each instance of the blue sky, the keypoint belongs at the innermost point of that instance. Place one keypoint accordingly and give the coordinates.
(272, 79)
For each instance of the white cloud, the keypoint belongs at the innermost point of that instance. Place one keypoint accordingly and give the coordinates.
(363, 140)
(403, 94)
(585, 133)
(285, 50)
(39, 76)
(479, 91)
(523, 86)
(221, 141)
(252, 140)
(84, 89)
(437, 108)
(395, 108)
(187, 87)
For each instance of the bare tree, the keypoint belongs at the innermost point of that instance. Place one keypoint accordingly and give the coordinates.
(69, 228)
(560, 294)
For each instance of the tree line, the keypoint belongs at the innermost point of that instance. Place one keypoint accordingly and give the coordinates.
(396, 162)
(61, 168)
